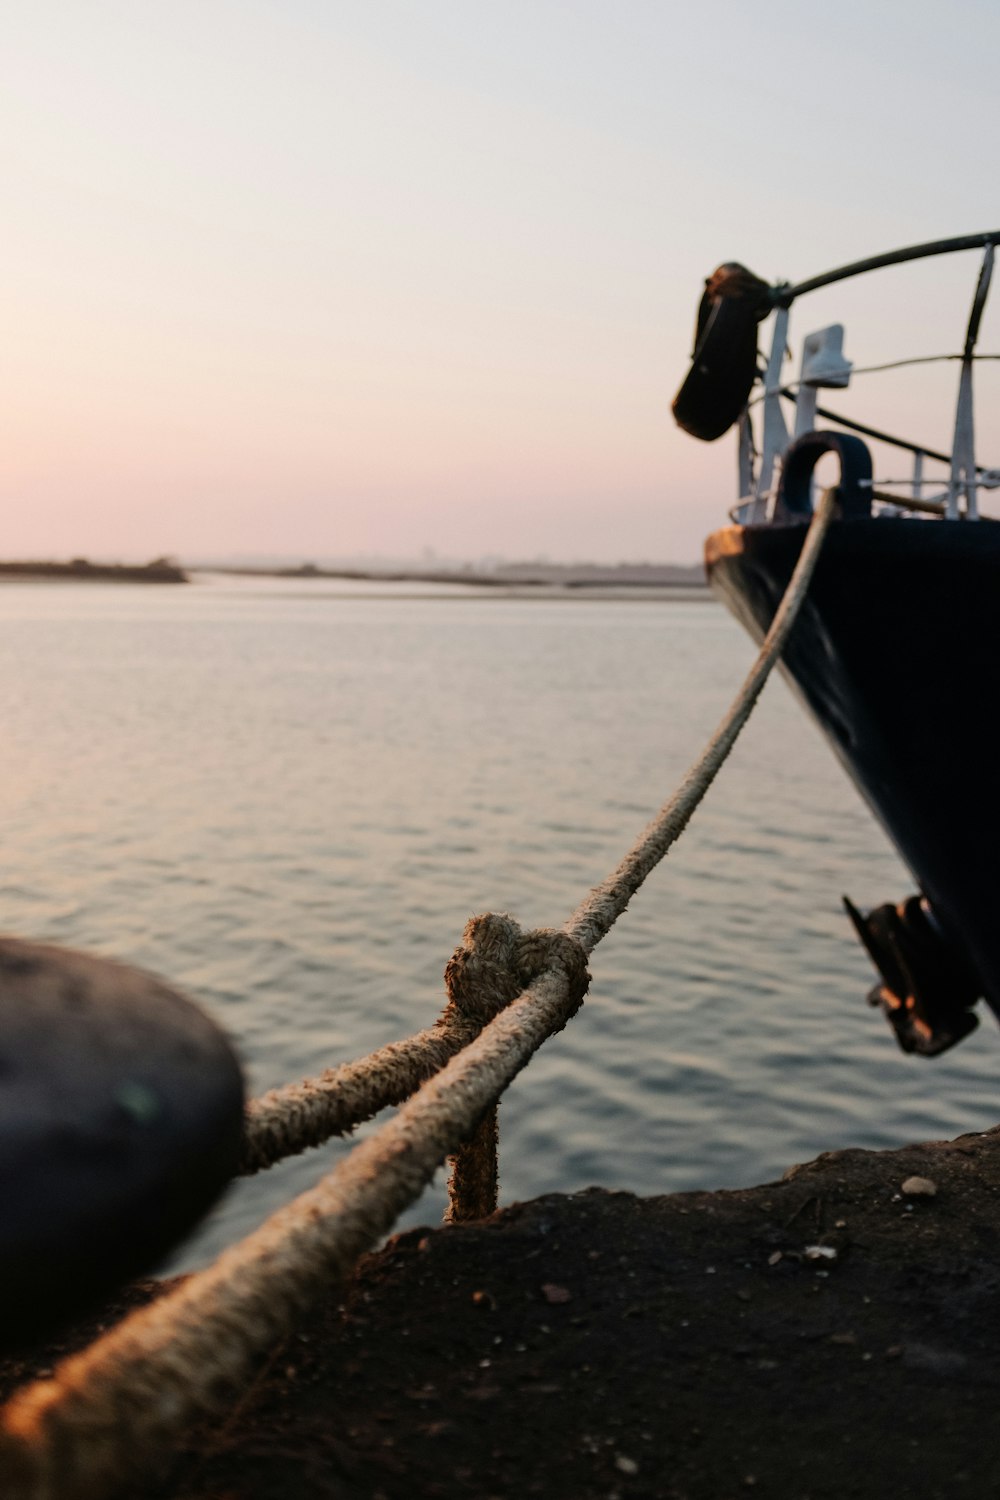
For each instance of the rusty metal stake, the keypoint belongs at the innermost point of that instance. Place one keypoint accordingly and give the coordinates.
(474, 1181)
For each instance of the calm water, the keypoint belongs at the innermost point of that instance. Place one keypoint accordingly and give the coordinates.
(287, 798)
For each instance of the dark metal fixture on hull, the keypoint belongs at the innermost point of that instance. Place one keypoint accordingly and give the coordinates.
(927, 990)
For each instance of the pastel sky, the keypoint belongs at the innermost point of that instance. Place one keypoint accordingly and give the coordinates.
(330, 277)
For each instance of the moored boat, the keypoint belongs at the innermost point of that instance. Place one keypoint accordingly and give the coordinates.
(893, 650)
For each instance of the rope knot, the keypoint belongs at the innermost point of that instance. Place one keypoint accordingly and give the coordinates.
(497, 960)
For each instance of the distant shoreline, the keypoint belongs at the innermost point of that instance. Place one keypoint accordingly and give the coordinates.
(544, 579)
(80, 569)
(540, 576)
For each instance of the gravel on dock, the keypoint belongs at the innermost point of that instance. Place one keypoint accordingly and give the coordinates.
(832, 1335)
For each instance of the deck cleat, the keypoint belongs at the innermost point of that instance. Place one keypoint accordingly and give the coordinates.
(927, 989)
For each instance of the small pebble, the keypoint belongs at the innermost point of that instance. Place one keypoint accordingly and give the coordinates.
(626, 1465)
(820, 1252)
(920, 1187)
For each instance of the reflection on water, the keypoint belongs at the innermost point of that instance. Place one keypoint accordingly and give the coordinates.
(289, 799)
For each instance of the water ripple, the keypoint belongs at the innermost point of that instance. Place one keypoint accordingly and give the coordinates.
(290, 804)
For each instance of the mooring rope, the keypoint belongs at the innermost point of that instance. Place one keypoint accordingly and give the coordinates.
(109, 1411)
(112, 1411)
(597, 914)
(293, 1118)
(495, 963)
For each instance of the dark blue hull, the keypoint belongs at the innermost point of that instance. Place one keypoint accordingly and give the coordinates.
(895, 653)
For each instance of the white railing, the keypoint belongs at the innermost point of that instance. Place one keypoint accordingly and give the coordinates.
(823, 366)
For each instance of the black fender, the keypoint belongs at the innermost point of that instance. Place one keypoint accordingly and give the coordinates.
(724, 363)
